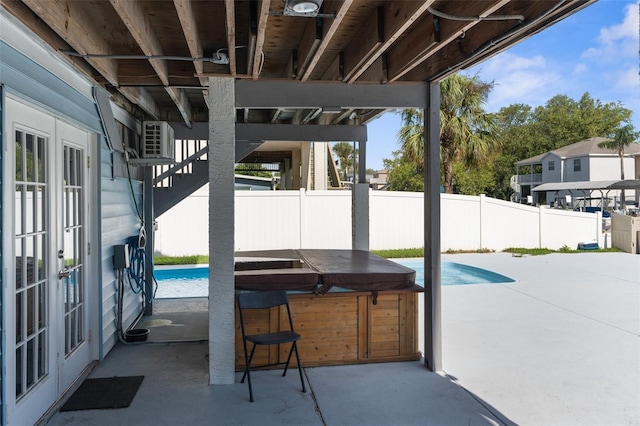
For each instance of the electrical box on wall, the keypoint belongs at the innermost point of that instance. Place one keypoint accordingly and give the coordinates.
(121, 256)
(157, 145)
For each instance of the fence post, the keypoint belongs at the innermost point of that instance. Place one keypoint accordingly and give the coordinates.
(360, 216)
(481, 227)
(541, 212)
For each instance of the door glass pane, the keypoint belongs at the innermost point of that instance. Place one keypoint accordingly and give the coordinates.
(31, 310)
(29, 158)
(19, 144)
(21, 267)
(42, 355)
(40, 257)
(19, 208)
(42, 219)
(19, 311)
(30, 256)
(31, 374)
(42, 164)
(19, 372)
(30, 209)
(42, 308)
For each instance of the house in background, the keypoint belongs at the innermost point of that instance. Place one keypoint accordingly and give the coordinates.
(579, 162)
(379, 179)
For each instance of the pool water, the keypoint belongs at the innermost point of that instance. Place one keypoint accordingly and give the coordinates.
(171, 281)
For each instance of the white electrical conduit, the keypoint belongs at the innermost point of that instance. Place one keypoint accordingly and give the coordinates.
(475, 18)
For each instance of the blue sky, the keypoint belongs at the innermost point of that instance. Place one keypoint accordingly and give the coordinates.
(595, 50)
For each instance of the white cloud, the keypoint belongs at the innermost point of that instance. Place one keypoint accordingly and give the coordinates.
(579, 69)
(627, 29)
(508, 62)
(525, 87)
(619, 40)
(627, 80)
(520, 79)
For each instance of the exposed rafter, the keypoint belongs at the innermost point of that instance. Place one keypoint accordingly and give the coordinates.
(136, 21)
(397, 18)
(424, 40)
(187, 19)
(328, 32)
(160, 54)
(230, 22)
(263, 15)
(67, 19)
(309, 43)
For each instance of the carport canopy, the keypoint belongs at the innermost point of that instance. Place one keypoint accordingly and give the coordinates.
(589, 185)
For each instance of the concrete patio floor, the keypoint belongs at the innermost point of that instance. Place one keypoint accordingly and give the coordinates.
(560, 346)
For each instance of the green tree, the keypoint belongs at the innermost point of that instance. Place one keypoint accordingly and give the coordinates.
(403, 175)
(473, 181)
(345, 153)
(618, 141)
(465, 128)
(563, 121)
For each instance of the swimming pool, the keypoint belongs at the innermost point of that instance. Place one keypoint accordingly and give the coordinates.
(172, 280)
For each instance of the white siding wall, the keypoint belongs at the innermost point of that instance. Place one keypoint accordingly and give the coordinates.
(572, 176)
(300, 219)
(608, 168)
(554, 175)
(119, 222)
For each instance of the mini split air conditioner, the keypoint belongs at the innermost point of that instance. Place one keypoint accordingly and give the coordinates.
(157, 143)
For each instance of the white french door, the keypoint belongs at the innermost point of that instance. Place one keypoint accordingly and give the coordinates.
(47, 293)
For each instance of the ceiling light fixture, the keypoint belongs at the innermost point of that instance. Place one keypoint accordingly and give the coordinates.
(302, 7)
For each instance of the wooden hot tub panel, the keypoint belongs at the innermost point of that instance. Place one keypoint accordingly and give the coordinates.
(340, 328)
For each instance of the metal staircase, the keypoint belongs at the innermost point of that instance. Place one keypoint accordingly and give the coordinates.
(174, 183)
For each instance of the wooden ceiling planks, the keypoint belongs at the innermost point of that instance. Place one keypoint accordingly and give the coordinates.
(364, 41)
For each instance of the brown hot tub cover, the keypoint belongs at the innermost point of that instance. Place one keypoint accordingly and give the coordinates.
(358, 270)
(320, 270)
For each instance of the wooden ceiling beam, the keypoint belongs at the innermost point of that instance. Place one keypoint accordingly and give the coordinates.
(230, 22)
(424, 40)
(397, 16)
(258, 57)
(65, 17)
(142, 98)
(370, 38)
(137, 22)
(309, 43)
(187, 18)
(486, 39)
(341, 8)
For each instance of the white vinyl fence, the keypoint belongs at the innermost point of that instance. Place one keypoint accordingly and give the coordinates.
(322, 219)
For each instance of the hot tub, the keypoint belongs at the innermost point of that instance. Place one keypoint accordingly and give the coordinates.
(361, 308)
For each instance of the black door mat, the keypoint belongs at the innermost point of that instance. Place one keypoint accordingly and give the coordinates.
(108, 392)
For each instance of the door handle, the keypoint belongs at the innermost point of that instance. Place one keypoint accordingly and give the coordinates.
(65, 273)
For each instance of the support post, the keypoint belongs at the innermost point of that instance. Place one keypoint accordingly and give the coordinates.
(149, 219)
(221, 231)
(360, 204)
(432, 276)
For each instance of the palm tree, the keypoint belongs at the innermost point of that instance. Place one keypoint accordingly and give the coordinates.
(344, 152)
(465, 128)
(621, 138)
